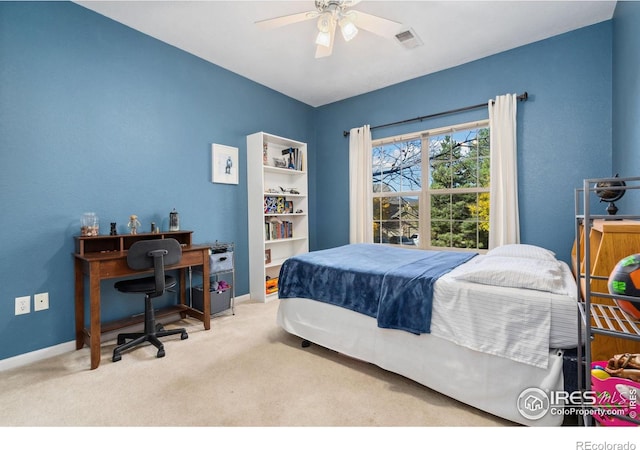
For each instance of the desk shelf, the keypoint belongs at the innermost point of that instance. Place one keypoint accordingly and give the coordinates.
(121, 242)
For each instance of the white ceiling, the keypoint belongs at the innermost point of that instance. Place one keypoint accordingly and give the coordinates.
(453, 33)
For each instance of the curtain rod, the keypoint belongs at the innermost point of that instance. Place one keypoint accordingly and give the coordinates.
(522, 97)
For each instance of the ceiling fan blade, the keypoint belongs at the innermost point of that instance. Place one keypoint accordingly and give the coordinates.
(377, 25)
(321, 50)
(276, 22)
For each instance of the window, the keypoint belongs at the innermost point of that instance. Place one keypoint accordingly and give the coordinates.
(433, 184)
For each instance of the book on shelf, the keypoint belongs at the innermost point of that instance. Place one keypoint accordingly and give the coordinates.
(274, 204)
(277, 205)
(278, 229)
(293, 158)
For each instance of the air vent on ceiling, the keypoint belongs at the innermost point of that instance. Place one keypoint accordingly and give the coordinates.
(408, 39)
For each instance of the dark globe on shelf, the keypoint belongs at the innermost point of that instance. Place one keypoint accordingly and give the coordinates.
(610, 195)
(625, 280)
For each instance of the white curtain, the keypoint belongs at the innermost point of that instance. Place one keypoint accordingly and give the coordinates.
(360, 188)
(504, 219)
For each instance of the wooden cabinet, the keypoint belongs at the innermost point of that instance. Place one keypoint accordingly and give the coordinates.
(277, 190)
(610, 240)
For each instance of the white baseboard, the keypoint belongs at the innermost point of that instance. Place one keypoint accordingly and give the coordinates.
(37, 355)
(49, 352)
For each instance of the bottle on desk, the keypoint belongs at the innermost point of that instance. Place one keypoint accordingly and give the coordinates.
(174, 221)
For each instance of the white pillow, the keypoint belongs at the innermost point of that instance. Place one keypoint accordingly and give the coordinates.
(508, 271)
(523, 251)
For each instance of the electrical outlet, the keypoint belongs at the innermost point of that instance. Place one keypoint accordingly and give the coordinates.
(41, 301)
(23, 305)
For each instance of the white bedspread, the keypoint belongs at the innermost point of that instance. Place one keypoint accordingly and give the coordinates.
(507, 322)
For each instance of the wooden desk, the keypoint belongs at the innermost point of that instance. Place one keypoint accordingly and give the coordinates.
(100, 265)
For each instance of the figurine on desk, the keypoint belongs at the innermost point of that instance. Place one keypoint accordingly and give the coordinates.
(133, 224)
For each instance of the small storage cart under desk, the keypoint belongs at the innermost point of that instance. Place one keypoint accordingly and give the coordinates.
(222, 281)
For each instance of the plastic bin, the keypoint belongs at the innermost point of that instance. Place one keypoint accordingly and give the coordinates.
(220, 262)
(618, 393)
(220, 300)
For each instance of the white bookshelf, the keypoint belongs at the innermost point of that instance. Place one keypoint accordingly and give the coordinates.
(288, 232)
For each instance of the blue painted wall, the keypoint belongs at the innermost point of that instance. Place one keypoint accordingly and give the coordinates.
(564, 129)
(626, 99)
(95, 116)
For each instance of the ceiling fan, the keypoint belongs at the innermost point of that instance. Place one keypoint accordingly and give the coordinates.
(332, 14)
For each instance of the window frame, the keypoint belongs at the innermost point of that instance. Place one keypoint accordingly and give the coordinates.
(426, 192)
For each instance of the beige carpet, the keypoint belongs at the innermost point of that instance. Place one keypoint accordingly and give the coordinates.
(244, 372)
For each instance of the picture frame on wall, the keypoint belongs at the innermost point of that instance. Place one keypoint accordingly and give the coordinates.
(224, 164)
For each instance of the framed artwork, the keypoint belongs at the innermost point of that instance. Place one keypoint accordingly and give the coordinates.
(267, 256)
(224, 164)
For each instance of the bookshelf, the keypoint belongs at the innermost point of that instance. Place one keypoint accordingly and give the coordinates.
(277, 189)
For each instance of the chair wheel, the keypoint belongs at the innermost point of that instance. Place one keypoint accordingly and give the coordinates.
(184, 336)
(160, 353)
(159, 327)
(121, 340)
(116, 358)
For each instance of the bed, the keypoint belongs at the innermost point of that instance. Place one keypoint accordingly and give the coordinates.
(481, 329)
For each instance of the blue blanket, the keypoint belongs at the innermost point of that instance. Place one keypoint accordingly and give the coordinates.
(394, 285)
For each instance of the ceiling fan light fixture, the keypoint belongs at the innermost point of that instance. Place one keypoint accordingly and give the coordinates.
(324, 22)
(348, 29)
(330, 14)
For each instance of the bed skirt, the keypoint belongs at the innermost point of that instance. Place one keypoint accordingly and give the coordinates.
(471, 377)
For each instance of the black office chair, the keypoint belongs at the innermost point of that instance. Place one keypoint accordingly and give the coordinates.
(143, 255)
